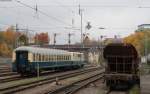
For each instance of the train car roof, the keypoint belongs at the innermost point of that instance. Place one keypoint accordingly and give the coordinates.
(39, 50)
(120, 49)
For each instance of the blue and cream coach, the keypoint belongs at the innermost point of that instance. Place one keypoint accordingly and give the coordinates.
(28, 59)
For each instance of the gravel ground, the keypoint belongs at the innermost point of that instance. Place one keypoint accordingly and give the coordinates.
(145, 84)
(50, 86)
(95, 88)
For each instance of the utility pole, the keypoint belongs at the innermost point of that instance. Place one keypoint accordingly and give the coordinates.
(16, 40)
(81, 17)
(69, 38)
(27, 40)
(55, 35)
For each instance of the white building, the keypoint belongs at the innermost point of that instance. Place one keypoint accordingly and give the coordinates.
(143, 26)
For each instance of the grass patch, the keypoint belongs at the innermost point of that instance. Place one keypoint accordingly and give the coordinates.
(135, 90)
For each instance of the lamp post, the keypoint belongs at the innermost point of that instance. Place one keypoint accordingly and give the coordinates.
(101, 45)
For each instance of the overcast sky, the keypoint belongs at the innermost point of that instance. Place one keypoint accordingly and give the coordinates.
(118, 17)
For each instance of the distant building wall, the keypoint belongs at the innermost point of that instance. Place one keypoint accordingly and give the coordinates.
(93, 57)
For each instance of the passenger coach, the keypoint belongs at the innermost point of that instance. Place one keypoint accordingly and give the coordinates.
(29, 59)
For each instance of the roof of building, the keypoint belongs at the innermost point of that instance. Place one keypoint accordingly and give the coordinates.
(143, 25)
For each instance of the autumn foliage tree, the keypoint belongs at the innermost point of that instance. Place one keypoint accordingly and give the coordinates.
(10, 39)
(7, 39)
(42, 38)
(139, 40)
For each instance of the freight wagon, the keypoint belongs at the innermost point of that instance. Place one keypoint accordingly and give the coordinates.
(122, 65)
(26, 60)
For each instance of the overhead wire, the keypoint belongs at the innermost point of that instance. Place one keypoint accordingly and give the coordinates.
(43, 13)
(47, 22)
(69, 9)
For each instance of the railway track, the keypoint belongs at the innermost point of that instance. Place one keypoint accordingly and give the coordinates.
(9, 89)
(5, 70)
(7, 73)
(76, 86)
(15, 77)
(12, 77)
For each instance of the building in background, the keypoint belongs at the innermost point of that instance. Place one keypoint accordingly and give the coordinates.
(143, 27)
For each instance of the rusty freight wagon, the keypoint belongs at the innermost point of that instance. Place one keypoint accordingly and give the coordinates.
(122, 63)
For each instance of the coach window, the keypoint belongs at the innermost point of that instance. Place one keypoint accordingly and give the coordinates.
(33, 57)
(64, 57)
(43, 58)
(58, 58)
(61, 57)
(39, 57)
(53, 58)
(50, 57)
(46, 57)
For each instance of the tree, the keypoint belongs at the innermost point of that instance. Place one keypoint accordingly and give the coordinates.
(42, 38)
(9, 35)
(139, 39)
(4, 50)
(1, 37)
(22, 40)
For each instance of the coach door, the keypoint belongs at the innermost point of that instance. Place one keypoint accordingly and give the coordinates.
(22, 60)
